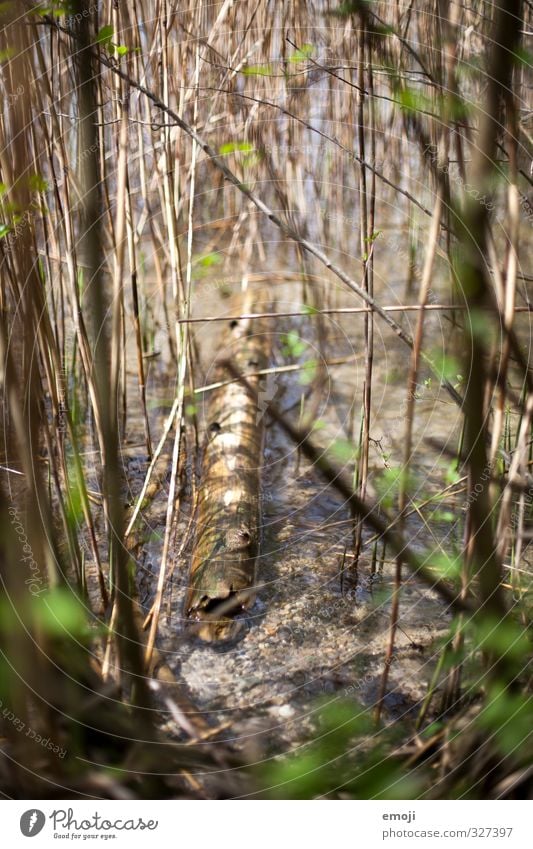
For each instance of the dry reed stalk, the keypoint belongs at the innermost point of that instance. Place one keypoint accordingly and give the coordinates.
(182, 342)
(485, 555)
(367, 206)
(106, 353)
(408, 438)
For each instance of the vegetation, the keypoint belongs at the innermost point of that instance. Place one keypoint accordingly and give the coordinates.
(373, 163)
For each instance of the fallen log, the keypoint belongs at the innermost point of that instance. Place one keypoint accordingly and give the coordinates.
(227, 534)
(370, 512)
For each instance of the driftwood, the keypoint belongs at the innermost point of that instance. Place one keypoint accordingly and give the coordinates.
(227, 535)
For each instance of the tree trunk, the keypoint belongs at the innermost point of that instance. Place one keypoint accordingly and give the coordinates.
(228, 523)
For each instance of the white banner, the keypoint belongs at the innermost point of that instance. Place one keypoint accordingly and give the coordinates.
(267, 825)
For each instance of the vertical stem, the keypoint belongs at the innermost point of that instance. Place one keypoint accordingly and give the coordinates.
(105, 348)
(472, 227)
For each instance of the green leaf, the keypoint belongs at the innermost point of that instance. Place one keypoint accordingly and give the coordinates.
(388, 485)
(508, 716)
(479, 325)
(452, 475)
(74, 503)
(446, 365)
(37, 183)
(453, 657)
(60, 613)
(432, 729)
(105, 35)
(327, 765)
(344, 450)
(308, 373)
(345, 717)
(293, 345)
(505, 638)
(413, 101)
(4, 230)
(295, 777)
(443, 516)
(208, 260)
(302, 53)
(257, 71)
(455, 106)
(54, 10)
(446, 565)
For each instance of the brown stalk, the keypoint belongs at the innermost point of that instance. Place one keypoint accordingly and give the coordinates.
(105, 351)
(472, 278)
